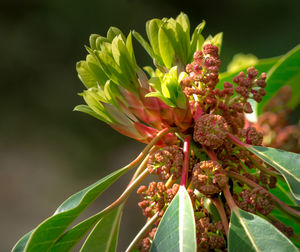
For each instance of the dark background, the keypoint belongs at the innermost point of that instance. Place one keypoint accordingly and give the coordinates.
(48, 152)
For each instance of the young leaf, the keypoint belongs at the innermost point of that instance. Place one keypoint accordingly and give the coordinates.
(165, 48)
(152, 29)
(104, 236)
(47, 233)
(144, 44)
(287, 163)
(176, 230)
(285, 72)
(249, 232)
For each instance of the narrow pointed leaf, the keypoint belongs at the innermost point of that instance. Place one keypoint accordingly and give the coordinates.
(176, 231)
(251, 233)
(152, 29)
(70, 238)
(20, 245)
(86, 109)
(165, 48)
(47, 233)
(285, 72)
(287, 163)
(144, 44)
(104, 236)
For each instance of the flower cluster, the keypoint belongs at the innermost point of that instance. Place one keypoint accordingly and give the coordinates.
(254, 201)
(166, 162)
(184, 93)
(156, 198)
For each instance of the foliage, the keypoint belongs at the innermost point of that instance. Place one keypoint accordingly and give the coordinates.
(193, 122)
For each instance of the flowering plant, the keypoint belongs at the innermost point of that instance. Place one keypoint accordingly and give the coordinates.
(219, 186)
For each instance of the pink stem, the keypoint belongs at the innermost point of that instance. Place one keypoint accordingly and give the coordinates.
(229, 199)
(237, 141)
(211, 154)
(219, 205)
(185, 167)
(277, 201)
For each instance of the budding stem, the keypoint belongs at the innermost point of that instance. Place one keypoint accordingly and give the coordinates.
(142, 232)
(185, 167)
(145, 151)
(219, 205)
(229, 199)
(265, 169)
(211, 154)
(279, 204)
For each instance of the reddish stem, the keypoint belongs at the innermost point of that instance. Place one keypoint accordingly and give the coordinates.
(211, 154)
(278, 202)
(185, 167)
(236, 141)
(219, 205)
(229, 199)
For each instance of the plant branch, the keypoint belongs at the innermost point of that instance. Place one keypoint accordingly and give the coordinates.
(219, 205)
(279, 204)
(186, 159)
(229, 199)
(142, 232)
(265, 169)
(154, 141)
(211, 154)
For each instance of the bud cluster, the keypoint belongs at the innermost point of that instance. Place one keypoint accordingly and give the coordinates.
(166, 162)
(156, 198)
(207, 178)
(254, 201)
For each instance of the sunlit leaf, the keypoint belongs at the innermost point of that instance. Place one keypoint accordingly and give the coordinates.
(251, 233)
(287, 163)
(285, 72)
(176, 230)
(47, 233)
(104, 236)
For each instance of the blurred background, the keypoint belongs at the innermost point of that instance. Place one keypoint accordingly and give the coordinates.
(48, 152)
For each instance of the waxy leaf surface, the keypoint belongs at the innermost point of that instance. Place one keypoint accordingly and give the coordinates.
(47, 233)
(104, 236)
(176, 231)
(287, 163)
(251, 233)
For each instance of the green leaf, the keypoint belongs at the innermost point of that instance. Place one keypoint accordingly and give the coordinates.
(130, 49)
(104, 236)
(217, 41)
(152, 29)
(282, 192)
(123, 59)
(70, 238)
(113, 32)
(241, 61)
(144, 44)
(85, 74)
(176, 230)
(92, 40)
(249, 232)
(287, 221)
(287, 163)
(196, 38)
(48, 232)
(20, 245)
(285, 72)
(86, 109)
(166, 50)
